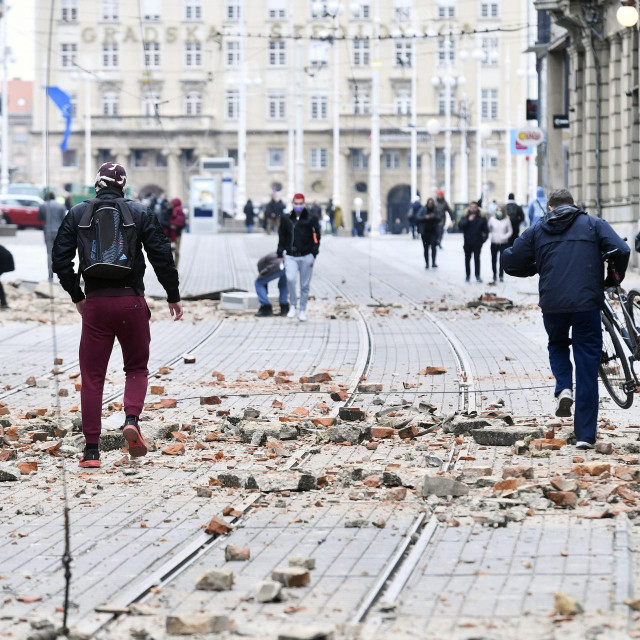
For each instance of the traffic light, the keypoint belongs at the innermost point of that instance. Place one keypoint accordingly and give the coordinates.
(532, 109)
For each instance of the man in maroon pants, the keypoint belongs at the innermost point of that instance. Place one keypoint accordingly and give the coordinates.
(113, 306)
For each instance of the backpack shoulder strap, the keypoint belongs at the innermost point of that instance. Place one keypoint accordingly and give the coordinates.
(123, 207)
(85, 221)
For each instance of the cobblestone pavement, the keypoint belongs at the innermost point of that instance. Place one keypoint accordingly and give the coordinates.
(268, 455)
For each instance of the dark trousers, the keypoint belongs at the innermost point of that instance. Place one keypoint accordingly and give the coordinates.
(3, 297)
(475, 252)
(430, 241)
(586, 338)
(497, 249)
(103, 320)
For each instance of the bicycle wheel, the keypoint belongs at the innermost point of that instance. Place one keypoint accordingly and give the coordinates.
(633, 307)
(614, 366)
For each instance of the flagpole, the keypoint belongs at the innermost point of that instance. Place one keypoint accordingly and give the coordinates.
(87, 131)
(4, 177)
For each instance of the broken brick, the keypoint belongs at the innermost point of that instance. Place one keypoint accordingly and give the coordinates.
(157, 390)
(382, 432)
(174, 449)
(27, 467)
(218, 376)
(179, 435)
(210, 400)
(324, 422)
(235, 553)
(217, 525)
(339, 396)
(591, 468)
(605, 448)
(542, 444)
(562, 498)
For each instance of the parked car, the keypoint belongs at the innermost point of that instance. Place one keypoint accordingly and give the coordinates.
(21, 210)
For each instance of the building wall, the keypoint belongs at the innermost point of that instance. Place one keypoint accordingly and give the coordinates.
(175, 140)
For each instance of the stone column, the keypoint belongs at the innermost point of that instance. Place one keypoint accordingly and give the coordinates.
(347, 180)
(424, 181)
(174, 175)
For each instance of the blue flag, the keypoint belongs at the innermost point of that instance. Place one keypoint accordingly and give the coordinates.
(63, 102)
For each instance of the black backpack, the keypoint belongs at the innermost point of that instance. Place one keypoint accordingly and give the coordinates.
(107, 239)
(6, 260)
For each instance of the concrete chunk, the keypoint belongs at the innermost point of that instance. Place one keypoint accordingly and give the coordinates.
(187, 624)
(215, 580)
(442, 486)
(291, 576)
(302, 561)
(268, 591)
(504, 436)
(306, 632)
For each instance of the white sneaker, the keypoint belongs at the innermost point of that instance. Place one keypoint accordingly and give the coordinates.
(292, 312)
(565, 402)
(303, 315)
(584, 445)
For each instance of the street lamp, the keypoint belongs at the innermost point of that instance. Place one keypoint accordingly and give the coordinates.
(484, 131)
(433, 129)
(627, 13)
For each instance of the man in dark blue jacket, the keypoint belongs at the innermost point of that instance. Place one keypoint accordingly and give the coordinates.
(565, 248)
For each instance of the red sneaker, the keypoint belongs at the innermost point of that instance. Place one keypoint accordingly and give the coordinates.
(137, 444)
(90, 459)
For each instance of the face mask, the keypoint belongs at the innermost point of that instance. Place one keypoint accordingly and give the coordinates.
(298, 208)
(499, 215)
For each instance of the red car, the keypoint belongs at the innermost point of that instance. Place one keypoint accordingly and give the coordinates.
(21, 210)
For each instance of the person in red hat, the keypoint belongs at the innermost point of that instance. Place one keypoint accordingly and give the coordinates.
(299, 238)
(444, 213)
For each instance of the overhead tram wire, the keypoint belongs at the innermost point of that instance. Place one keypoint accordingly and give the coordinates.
(66, 556)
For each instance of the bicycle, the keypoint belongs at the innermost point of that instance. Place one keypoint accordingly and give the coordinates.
(617, 369)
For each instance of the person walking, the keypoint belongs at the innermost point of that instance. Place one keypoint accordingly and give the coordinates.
(316, 211)
(444, 210)
(6, 265)
(337, 219)
(249, 215)
(565, 249)
(500, 231)
(516, 216)
(299, 237)
(272, 213)
(51, 213)
(475, 230)
(108, 233)
(177, 223)
(330, 215)
(271, 267)
(412, 218)
(428, 221)
(537, 208)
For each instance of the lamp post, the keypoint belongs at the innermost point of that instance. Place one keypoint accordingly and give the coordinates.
(433, 129)
(4, 172)
(374, 164)
(484, 131)
(291, 133)
(479, 56)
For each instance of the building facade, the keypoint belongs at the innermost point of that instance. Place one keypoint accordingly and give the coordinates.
(165, 87)
(588, 66)
(20, 98)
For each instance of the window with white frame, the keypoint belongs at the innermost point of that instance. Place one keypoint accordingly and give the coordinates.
(110, 10)
(68, 52)
(446, 9)
(152, 55)
(193, 103)
(275, 158)
(150, 102)
(361, 10)
(404, 53)
(442, 103)
(490, 158)
(232, 54)
(403, 102)
(318, 54)
(489, 104)
(441, 159)
(446, 50)
(277, 53)
(151, 10)
(319, 9)
(233, 10)
(193, 9)
(489, 8)
(193, 54)
(276, 9)
(361, 100)
(319, 106)
(69, 10)
(318, 158)
(110, 58)
(391, 159)
(361, 52)
(402, 10)
(359, 159)
(276, 105)
(110, 103)
(232, 105)
(70, 158)
(491, 49)
(418, 160)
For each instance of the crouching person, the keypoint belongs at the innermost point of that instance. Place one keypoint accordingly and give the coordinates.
(270, 268)
(109, 233)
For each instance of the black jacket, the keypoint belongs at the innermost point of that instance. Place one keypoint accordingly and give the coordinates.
(269, 264)
(249, 214)
(299, 236)
(565, 248)
(150, 236)
(428, 220)
(274, 209)
(475, 231)
(516, 215)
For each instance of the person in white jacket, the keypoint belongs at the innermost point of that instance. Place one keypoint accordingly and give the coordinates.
(500, 230)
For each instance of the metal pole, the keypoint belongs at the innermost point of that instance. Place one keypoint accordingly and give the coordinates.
(299, 121)
(464, 156)
(434, 178)
(241, 190)
(4, 178)
(414, 123)
(479, 185)
(291, 136)
(336, 110)
(519, 163)
(87, 131)
(447, 110)
(508, 179)
(375, 215)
